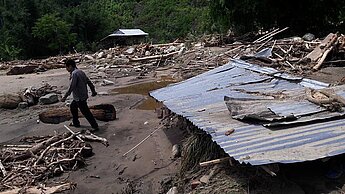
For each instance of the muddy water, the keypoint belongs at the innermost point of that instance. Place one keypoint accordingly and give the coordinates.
(144, 88)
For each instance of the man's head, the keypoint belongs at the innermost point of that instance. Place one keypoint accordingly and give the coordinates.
(70, 65)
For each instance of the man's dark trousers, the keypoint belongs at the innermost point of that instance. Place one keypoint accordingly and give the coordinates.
(84, 109)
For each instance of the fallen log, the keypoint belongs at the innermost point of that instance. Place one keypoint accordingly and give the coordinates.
(10, 101)
(22, 69)
(102, 112)
(153, 57)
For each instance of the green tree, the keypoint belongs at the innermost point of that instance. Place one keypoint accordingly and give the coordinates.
(55, 32)
(316, 16)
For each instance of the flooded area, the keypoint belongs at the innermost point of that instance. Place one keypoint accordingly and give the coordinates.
(143, 89)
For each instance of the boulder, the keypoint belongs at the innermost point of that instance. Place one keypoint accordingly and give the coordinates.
(23, 105)
(49, 99)
(173, 190)
(176, 151)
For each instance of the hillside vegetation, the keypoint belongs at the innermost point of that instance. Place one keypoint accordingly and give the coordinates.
(40, 28)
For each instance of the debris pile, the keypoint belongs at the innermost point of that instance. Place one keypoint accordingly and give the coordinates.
(19, 67)
(296, 55)
(46, 94)
(43, 157)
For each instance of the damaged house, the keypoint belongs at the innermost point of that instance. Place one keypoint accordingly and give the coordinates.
(124, 37)
(259, 115)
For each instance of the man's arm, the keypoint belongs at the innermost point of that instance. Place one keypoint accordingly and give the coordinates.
(72, 86)
(91, 86)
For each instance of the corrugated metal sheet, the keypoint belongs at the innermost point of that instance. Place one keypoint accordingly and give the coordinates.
(201, 100)
(129, 32)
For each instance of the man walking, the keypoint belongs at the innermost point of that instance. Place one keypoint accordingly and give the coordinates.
(78, 87)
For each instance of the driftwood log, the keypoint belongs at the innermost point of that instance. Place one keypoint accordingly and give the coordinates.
(22, 69)
(10, 101)
(102, 112)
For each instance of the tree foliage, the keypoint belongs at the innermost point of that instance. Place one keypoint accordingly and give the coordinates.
(38, 28)
(316, 16)
(54, 31)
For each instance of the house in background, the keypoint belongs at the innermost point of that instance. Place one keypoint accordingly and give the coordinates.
(124, 37)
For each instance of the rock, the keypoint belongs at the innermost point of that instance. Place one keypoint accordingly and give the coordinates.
(171, 49)
(195, 183)
(308, 37)
(205, 179)
(100, 55)
(49, 99)
(130, 51)
(89, 57)
(297, 39)
(106, 82)
(182, 50)
(173, 190)
(23, 105)
(109, 56)
(176, 151)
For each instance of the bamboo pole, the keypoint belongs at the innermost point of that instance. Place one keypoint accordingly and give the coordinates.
(142, 141)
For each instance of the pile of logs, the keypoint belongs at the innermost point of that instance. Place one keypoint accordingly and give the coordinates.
(43, 157)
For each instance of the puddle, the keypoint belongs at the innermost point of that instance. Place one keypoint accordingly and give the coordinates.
(144, 89)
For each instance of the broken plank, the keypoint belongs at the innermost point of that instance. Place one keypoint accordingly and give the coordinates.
(318, 52)
(154, 57)
(3, 170)
(216, 161)
(322, 59)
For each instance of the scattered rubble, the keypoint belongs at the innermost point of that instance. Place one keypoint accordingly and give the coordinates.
(294, 55)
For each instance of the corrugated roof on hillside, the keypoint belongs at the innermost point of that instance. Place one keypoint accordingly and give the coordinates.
(201, 100)
(129, 32)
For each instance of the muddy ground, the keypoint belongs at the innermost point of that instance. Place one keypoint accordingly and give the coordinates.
(144, 169)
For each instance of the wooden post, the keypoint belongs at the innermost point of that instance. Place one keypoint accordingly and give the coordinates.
(216, 161)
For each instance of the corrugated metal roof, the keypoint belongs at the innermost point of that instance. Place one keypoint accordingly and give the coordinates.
(201, 100)
(129, 32)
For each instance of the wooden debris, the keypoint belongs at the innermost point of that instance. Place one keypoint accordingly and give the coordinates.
(271, 34)
(270, 172)
(154, 57)
(102, 112)
(3, 170)
(322, 59)
(22, 69)
(40, 190)
(229, 132)
(317, 53)
(142, 141)
(10, 101)
(216, 161)
(28, 168)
